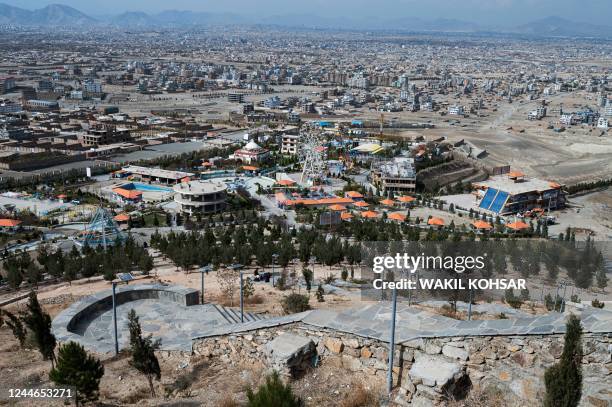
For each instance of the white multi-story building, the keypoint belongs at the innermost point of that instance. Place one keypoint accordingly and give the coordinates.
(290, 144)
(455, 110)
(602, 123)
(200, 196)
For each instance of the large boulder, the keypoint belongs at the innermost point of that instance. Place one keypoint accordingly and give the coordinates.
(290, 354)
(437, 377)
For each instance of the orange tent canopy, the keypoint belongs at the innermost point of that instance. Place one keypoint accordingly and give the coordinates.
(337, 207)
(285, 182)
(481, 224)
(397, 216)
(346, 215)
(9, 223)
(516, 174)
(435, 222)
(554, 185)
(518, 225)
(62, 196)
(369, 214)
(354, 194)
(361, 204)
(249, 168)
(122, 217)
(406, 199)
(387, 202)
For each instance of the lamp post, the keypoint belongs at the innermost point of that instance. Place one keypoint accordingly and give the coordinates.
(274, 258)
(206, 269)
(237, 266)
(115, 319)
(392, 342)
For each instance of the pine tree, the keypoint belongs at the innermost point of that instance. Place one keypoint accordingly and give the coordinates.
(320, 293)
(564, 380)
(273, 393)
(143, 351)
(39, 323)
(76, 368)
(16, 326)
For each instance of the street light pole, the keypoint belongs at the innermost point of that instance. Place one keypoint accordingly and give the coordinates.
(392, 342)
(241, 298)
(115, 319)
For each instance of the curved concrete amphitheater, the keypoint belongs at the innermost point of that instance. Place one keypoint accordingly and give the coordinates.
(171, 313)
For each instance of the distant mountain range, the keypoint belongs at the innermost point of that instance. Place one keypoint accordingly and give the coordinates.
(61, 15)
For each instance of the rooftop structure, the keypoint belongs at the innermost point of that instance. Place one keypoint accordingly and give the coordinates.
(200, 196)
(514, 193)
(156, 174)
(396, 175)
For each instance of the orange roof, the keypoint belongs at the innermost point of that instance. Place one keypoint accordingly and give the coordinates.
(62, 196)
(337, 207)
(387, 202)
(280, 197)
(285, 182)
(519, 225)
(122, 217)
(249, 168)
(9, 223)
(354, 194)
(322, 201)
(397, 216)
(369, 214)
(128, 193)
(185, 179)
(481, 224)
(435, 222)
(554, 185)
(406, 199)
(516, 174)
(361, 204)
(346, 215)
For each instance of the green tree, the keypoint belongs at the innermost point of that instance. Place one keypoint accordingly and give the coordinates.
(320, 293)
(564, 380)
(248, 289)
(76, 368)
(16, 326)
(143, 351)
(39, 323)
(308, 275)
(273, 394)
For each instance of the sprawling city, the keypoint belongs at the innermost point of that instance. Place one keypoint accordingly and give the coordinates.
(205, 209)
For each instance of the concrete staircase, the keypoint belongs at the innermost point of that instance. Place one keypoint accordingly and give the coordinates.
(232, 315)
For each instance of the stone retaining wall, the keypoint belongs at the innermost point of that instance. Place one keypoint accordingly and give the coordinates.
(427, 370)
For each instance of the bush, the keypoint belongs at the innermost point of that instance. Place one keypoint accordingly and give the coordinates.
(294, 303)
(597, 304)
(273, 394)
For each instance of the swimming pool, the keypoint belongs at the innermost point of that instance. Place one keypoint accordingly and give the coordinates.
(146, 187)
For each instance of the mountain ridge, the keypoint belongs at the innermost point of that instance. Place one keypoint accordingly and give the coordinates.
(57, 14)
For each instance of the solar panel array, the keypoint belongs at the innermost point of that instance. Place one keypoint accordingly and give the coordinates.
(494, 200)
(487, 200)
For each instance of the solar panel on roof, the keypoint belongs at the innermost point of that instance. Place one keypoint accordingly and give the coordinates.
(487, 200)
(125, 276)
(499, 202)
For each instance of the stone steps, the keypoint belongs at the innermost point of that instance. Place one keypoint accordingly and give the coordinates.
(232, 315)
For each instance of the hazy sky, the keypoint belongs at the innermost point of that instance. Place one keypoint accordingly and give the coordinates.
(504, 12)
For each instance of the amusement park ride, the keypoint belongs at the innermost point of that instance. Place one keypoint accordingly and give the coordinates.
(311, 152)
(101, 230)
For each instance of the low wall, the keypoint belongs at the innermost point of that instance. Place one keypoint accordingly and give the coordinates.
(515, 364)
(64, 324)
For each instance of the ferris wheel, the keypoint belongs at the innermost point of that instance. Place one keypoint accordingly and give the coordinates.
(311, 153)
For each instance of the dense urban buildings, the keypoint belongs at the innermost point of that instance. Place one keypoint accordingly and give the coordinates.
(191, 198)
